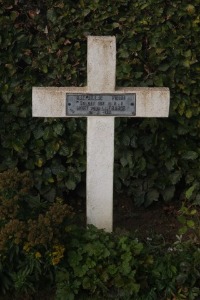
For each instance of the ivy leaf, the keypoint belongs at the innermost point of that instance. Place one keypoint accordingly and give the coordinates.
(38, 133)
(168, 193)
(86, 283)
(151, 196)
(112, 269)
(183, 230)
(64, 150)
(58, 169)
(190, 155)
(182, 219)
(123, 173)
(125, 140)
(190, 223)
(58, 129)
(39, 162)
(170, 163)
(115, 25)
(50, 195)
(86, 12)
(163, 67)
(139, 195)
(190, 191)
(51, 15)
(123, 161)
(175, 177)
(188, 113)
(70, 184)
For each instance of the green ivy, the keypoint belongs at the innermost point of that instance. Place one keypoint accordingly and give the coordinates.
(43, 43)
(100, 264)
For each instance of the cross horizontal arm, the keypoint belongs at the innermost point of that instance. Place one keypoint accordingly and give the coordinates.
(151, 102)
(51, 101)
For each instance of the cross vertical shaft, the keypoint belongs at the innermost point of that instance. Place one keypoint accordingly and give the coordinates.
(101, 66)
(100, 110)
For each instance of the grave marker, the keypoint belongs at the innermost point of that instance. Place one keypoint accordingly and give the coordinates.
(100, 102)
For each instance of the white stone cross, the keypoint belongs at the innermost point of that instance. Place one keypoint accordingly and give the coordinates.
(55, 102)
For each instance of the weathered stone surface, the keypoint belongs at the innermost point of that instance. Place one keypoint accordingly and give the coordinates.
(101, 64)
(51, 102)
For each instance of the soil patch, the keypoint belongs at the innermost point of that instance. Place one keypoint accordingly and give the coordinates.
(158, 219)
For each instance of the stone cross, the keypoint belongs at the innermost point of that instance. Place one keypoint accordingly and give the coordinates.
(100, 101)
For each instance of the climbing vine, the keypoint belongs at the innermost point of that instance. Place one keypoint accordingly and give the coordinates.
(43, 43)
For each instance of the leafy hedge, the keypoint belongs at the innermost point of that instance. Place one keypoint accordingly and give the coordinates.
(43, 43)
(41, 248)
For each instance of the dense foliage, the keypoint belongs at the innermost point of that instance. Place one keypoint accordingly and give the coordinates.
(43, 43)
(40, 248)
(30, 230)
